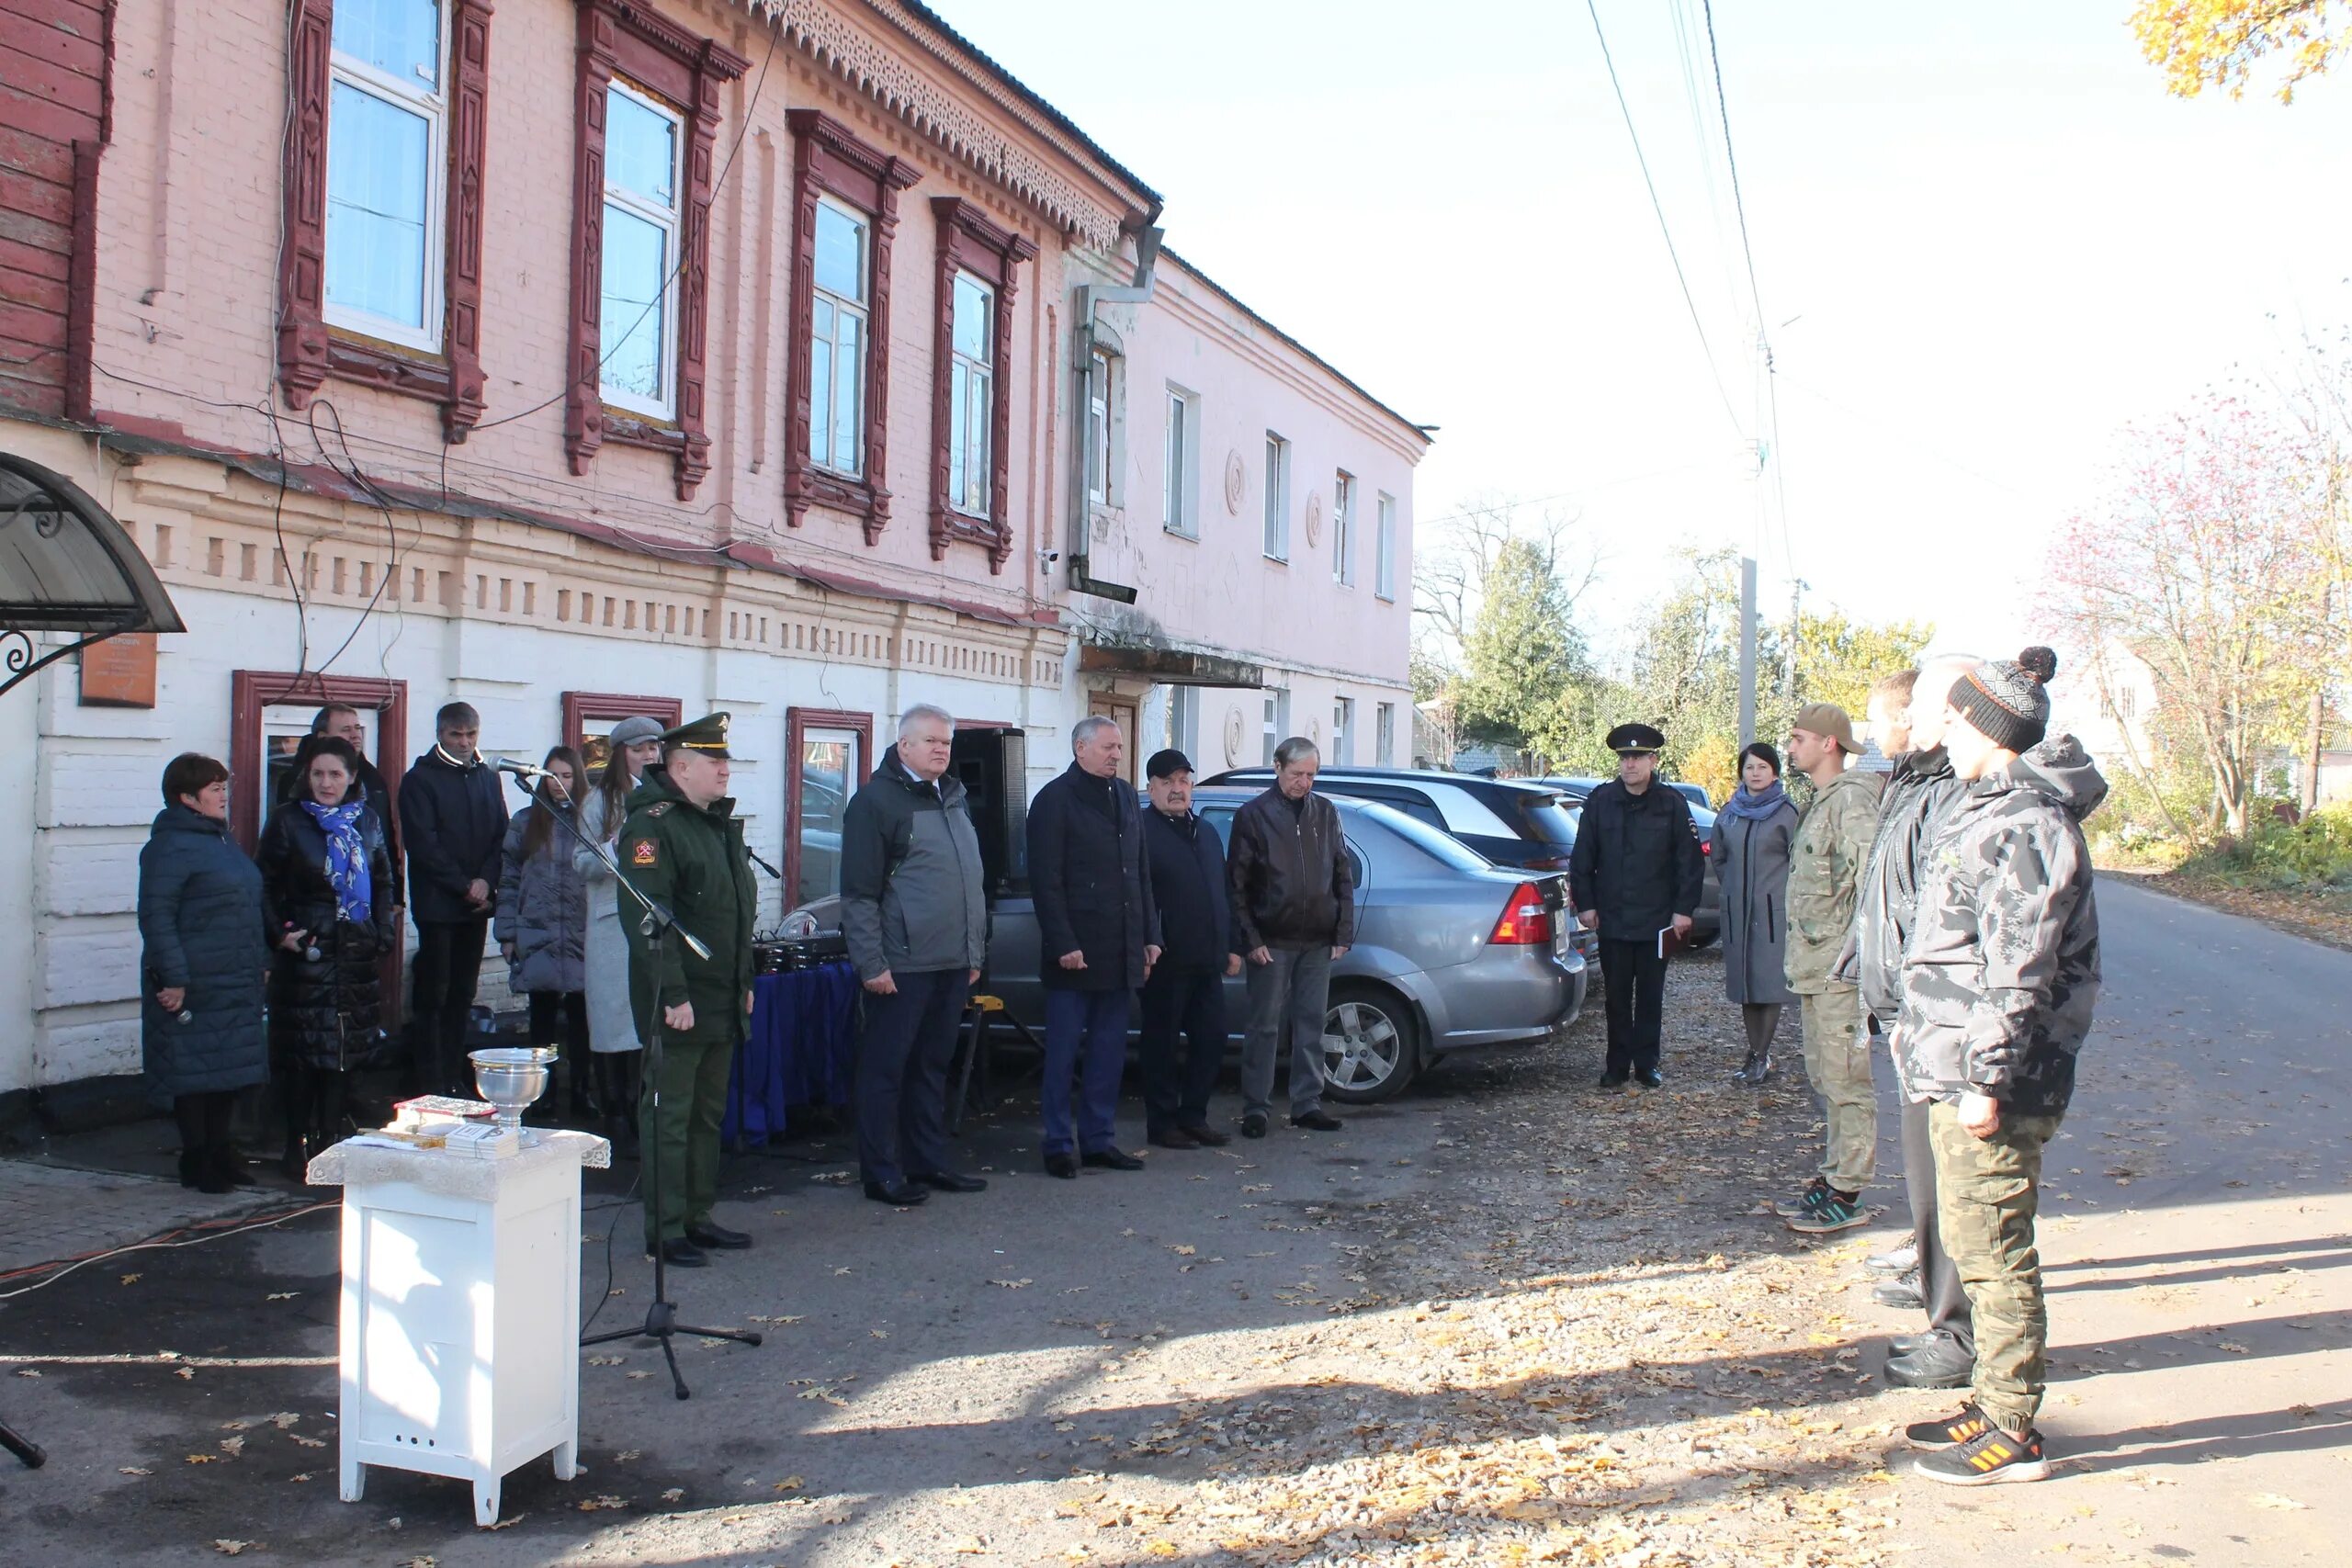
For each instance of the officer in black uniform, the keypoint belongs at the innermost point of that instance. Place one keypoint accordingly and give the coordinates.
(1636, 873)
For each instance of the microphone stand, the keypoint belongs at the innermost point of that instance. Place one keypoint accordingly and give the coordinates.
(661, 1315)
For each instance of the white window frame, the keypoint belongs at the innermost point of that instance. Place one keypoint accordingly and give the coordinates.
(1103, 427)
(1343, 732)
(1343, 528)
(864, 311)
(672, 222)
(971, 384)
(434, 108)
(1384, 580)
(1277, 724)
(1277, 498)
(1384, 735)
(1180, 490)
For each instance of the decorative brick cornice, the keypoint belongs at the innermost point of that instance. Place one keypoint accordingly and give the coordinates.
(969, 243)
(623, 38)
(309, 350)
(828, 160)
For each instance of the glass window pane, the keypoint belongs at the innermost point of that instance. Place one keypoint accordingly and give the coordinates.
(958, 453)
(848, 386)
(637, 265)
(378, 177)
(828, 774)
(399, 38)
(640, 149)
(975, 337)
(820, 392)
(840, 253)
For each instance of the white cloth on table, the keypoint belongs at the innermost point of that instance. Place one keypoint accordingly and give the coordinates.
(355, 1163)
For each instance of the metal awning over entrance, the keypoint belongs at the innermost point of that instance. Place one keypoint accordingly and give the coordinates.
(1168, 666)
(67, 566)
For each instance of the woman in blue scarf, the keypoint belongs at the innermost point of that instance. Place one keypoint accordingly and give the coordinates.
(1751, 855)
(327, 902)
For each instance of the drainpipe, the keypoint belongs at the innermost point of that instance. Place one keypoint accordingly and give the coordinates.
(1090, 296)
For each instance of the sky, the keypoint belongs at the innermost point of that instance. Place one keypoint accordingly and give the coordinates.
(1984, 242)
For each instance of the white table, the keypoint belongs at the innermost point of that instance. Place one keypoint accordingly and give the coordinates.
(460, 1315)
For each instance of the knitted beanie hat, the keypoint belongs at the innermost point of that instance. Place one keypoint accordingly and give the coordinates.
(2006, 701)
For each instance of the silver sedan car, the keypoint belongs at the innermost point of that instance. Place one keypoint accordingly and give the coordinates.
(1452, 953)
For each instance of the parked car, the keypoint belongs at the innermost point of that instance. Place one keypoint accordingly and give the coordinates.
(1513, 822)
(1707, 923)
(1452, 953)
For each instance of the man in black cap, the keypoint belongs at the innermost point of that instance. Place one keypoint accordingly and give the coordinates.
(682, 846)
(1636, 873)
(1185, 990)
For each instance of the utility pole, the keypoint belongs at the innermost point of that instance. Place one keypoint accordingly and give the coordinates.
(1746, 650)
(1789, 655)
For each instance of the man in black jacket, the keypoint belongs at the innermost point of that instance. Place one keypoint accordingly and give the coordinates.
(1294, 893)
(453, 825)
(1634, 873)
(1186, 989)
(914, 912)
(1098, 935)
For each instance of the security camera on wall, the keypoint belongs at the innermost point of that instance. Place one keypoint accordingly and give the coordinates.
(1048, 558)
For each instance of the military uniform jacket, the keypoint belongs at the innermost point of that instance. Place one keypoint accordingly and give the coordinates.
(1832, 845)
(691, 860)
(2001, 971)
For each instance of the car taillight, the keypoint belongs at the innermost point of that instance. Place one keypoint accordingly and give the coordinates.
(1526, 922)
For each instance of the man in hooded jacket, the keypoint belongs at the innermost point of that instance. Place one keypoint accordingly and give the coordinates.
(2000, 976)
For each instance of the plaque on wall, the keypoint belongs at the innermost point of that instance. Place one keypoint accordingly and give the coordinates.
(120, 672)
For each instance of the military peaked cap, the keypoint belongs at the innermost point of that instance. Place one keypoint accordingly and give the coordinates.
(706, 734)
(1635, 737)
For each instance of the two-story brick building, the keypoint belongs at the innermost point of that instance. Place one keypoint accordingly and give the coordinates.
(585, 357)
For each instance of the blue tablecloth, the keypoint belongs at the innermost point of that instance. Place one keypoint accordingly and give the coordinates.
(800, 1051)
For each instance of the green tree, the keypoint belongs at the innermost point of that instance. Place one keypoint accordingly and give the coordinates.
(1522, 653)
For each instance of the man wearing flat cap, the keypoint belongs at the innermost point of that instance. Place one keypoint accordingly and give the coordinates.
(1184, 993)
(682, 846)
(1636, 873)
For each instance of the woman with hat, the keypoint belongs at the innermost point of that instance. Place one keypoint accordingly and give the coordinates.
(635, 745)
(1750, 850)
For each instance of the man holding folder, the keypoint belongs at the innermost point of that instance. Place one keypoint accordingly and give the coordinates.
(1635, 874)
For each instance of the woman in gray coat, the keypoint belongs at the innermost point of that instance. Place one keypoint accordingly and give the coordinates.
(206, 950)
(1751, 854)
(612, 1030)
(542, 926)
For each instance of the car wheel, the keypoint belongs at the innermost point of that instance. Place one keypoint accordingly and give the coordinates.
(1371, 1044)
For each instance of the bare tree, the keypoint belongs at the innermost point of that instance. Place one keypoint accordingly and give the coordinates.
(1452, 568)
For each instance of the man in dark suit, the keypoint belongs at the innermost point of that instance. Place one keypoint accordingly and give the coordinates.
(1186, 990)
(453, 824)
(1634, 873)
(1098, 933)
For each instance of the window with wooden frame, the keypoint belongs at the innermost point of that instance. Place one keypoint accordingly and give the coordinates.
(270, 711)
(380, 272)
(646, 128)
(837, 362)
(589, 717)
(830, 753)
(972, 352)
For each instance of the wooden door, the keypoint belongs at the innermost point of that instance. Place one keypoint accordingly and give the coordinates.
(1121, 712)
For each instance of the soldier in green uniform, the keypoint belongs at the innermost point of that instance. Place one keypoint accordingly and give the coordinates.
(683, 847)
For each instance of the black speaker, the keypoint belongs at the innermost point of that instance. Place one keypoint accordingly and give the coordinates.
(992, 764)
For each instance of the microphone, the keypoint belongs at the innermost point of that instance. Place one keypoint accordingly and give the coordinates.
(520, 769)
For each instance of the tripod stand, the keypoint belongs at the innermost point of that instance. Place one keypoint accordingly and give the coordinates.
(661, 1316)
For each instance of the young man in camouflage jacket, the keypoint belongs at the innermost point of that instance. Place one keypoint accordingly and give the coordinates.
(1999, 977)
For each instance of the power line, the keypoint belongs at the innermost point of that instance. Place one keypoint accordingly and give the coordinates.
(1656, 207)
(1731, 159)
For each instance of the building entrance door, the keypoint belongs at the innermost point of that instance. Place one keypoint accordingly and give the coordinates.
(1121, 712)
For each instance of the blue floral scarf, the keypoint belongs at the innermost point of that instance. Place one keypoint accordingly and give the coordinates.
(346, 860)
(1748, 806)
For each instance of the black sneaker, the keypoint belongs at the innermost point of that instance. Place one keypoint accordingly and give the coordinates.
(1902, 1293)
(1950, 1432)
(1616, 1078)
(1836, 1211)
(1805, 1203)
(1317, 1121)
(1649, 1078)
(1988, 1459)
(1254, 1125)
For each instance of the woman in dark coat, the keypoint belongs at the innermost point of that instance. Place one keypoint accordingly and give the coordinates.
(1751, 854)
(327, 897)
(201, 1031)
(542, 926)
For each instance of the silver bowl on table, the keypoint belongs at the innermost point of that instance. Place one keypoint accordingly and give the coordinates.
(512, 1078)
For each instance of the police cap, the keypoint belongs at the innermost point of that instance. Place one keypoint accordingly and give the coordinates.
(1628, 737)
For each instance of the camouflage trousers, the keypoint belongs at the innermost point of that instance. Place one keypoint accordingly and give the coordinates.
(1837, 1060)
(1987, 1191)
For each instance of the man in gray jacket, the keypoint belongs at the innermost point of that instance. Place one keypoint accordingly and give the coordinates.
(915, 916)
(1999, 978)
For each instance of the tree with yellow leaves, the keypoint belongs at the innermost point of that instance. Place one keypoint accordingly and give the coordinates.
(2217, 43)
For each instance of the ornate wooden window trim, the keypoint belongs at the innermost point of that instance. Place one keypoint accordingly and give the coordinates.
(619, 37)
(309, 349)
(797, 723)
(828, 161)
(969, 243)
